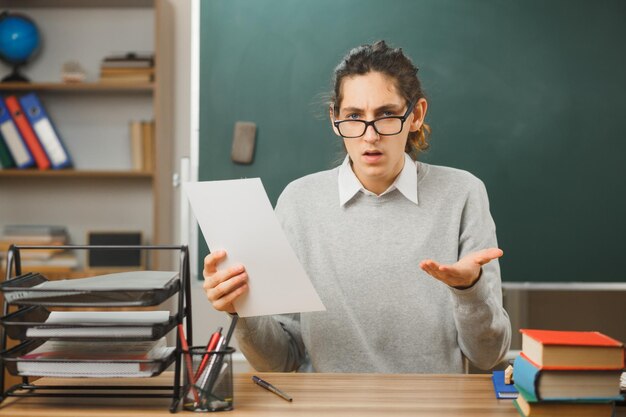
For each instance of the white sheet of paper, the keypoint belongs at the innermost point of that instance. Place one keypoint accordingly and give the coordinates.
(236, 216)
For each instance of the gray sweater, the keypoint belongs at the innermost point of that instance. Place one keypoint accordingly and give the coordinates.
(384, 314)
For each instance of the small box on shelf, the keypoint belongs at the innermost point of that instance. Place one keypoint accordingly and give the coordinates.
(111, 259)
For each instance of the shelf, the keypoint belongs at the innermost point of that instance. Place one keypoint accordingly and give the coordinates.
(93, 119)
(70, 173)
(78, 87)
(77, 3)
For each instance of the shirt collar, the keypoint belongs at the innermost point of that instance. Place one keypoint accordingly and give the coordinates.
(405, 182)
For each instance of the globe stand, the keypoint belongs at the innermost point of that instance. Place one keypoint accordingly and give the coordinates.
(15, 77)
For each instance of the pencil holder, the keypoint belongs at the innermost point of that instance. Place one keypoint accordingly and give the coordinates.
(208, 379)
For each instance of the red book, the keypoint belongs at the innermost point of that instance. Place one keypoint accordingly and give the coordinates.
(27, 132)
(563, 350)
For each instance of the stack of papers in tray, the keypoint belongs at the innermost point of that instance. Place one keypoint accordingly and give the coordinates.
(134, 280)
(118, 324)
(94, 359)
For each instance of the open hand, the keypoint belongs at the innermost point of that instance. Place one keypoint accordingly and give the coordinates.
(465, 272)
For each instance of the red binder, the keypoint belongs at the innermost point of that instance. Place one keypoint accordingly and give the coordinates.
(41, 159)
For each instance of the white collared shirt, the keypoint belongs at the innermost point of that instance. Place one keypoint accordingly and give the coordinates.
(405, 182)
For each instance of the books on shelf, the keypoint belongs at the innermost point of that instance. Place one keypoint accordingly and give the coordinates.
(136, 146)
(127, 68)
(129, 60)
(142, 145)
(41, 260)
(41, 233)
(55, 262)
(567, 373)
(572, 349)
(126, 75)
(33, 234)
(93, 359)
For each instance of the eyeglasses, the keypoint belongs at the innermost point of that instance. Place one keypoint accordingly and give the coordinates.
(384, 126)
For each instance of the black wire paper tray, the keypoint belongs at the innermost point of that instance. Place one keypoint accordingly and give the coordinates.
(30, 323)
(124, 289)
(18, 363)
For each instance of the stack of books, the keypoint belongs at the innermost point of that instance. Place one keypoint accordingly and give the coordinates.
(127, 68)
(40, 260)
(568, 373)
(27, 136)
(142, 145)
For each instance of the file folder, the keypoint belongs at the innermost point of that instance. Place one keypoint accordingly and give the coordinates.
(6, 160)
(46, 132)
(29, 136)
(13, 139)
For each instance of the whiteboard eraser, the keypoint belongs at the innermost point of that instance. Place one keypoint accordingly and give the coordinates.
(244, 138)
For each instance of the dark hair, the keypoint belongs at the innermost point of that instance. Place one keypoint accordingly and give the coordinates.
(392, 62)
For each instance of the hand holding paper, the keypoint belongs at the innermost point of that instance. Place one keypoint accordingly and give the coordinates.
(225, 285)
(236, 215)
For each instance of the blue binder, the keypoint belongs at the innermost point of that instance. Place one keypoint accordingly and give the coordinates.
(13, 139)
(46, 132)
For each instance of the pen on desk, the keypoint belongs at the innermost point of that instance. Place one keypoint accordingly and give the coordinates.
(215, 337)
(188, 363)
(271, 388)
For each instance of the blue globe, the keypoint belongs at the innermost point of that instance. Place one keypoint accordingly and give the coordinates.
(19, 41)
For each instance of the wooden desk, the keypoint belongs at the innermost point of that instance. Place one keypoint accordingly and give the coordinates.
(325, 395)
(315, 395)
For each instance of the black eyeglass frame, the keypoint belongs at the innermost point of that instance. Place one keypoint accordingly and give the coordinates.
(402, 119)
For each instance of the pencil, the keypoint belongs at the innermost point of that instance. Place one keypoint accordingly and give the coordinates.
(188, 363)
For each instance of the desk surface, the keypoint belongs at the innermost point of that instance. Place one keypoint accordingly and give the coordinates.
(316, 395)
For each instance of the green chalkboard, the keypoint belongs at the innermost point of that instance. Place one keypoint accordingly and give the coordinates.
(530, 96)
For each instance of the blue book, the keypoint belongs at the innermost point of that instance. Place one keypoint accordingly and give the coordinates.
(45, 131)
(536, 384)
(503, 391)
(13, 139)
